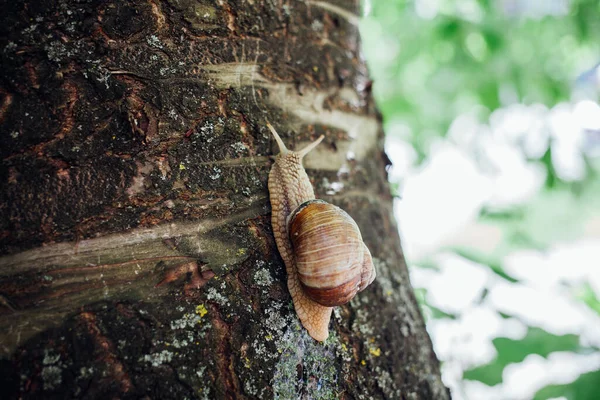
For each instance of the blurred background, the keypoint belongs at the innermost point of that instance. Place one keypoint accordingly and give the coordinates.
(493, 127)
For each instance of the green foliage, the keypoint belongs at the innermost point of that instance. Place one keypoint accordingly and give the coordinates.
(473, 53)
(537, 341)
(433, 64)
(558, 214)
(586, 387)
(489, 260)
(588, 296)
(429, 311)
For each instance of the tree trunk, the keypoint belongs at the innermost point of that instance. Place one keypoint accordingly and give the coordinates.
(137, 256)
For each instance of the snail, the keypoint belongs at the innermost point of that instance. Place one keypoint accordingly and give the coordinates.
(326, 261)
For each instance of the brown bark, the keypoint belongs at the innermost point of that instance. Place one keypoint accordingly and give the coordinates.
(136, 255)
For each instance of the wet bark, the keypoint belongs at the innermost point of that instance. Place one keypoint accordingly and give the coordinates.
(136, 255)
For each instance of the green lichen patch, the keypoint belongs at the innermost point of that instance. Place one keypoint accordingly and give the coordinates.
(52, 370)
(262, 276)
(305, 368)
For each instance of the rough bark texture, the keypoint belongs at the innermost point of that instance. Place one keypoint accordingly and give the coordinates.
(137, 258)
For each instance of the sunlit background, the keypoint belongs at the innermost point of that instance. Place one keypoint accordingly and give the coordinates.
(493, 127)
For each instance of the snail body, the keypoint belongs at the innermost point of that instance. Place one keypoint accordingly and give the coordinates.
(326, 261)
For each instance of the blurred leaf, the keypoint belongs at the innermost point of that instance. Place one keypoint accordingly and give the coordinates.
(448, 29)
(586, 294)
(429, 311)
(420, 294)
(557, 214)
(537, 341)
(551, 177)
(395, 189)
(488, 95)
(586, 387)
(436, 313)
(484, 259)
(494, 39)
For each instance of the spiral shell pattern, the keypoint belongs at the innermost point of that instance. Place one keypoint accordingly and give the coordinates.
(333, 264)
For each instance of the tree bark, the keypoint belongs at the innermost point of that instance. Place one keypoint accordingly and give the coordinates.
(137, 257)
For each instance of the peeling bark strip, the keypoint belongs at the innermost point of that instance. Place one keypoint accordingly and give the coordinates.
(136, 254)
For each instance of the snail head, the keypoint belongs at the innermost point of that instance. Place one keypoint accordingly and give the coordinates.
(284, 150)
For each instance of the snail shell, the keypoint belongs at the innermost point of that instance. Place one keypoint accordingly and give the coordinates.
(332, 262)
